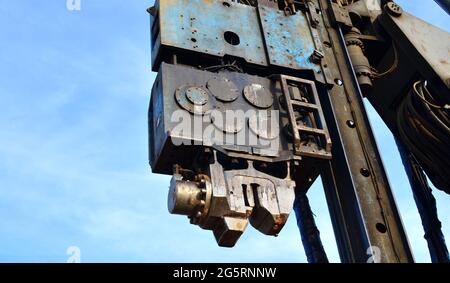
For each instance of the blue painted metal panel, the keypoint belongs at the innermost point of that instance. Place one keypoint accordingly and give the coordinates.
(200, 25)
(288, 39)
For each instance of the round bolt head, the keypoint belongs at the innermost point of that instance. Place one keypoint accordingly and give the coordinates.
(365, 172)
(394, 9)
(351, 123)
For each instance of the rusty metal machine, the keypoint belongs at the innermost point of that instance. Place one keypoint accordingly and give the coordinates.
(247, 172)
(255, 99)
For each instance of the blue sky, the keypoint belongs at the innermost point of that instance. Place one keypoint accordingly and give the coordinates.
(74, 90)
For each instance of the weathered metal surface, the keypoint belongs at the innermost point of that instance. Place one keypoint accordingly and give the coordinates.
(260, 125)
(175, 80)
(422, 50)
(179, 86)
(308, 126)
(362, 202)
(227, 200)
(258, 96)
(189, 198)
(223, 89)
(431, 43)
(208, 27)
(235, 191)
(171, 93)
(194, 99)
(233, 126)
(360, 62)
(288, 40)
(340, 15)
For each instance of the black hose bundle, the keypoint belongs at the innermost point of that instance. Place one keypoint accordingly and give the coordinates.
(424, 127)
(312, 243)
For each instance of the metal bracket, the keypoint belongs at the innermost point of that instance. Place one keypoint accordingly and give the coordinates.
(301, 98)
(340, 15)
(314, 15)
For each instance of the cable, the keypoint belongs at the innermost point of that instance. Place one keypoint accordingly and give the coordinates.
(419, 92)
(376, 74)
(229, 66)
(424, 128)
(426, 205)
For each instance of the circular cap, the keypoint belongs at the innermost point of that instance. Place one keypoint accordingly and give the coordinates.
(197, 95)
(394, 9)
(193, 99)
(258, 96)
(223, 89)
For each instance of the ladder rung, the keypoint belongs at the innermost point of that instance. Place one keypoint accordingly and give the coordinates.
(304, 104)
(311, 130)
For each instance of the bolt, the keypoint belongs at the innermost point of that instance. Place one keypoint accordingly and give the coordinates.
(351, 124)
(365, 172)
(394, 9)
(317, 56)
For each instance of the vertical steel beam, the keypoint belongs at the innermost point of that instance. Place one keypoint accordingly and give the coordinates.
(363, 210)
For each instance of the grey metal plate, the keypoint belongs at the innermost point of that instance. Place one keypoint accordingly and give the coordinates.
(169, 96)
(200, 25)
(431, 42)
(223, 89)
(288, 39)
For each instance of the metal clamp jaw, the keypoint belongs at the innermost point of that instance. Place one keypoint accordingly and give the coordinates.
(225, 201)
